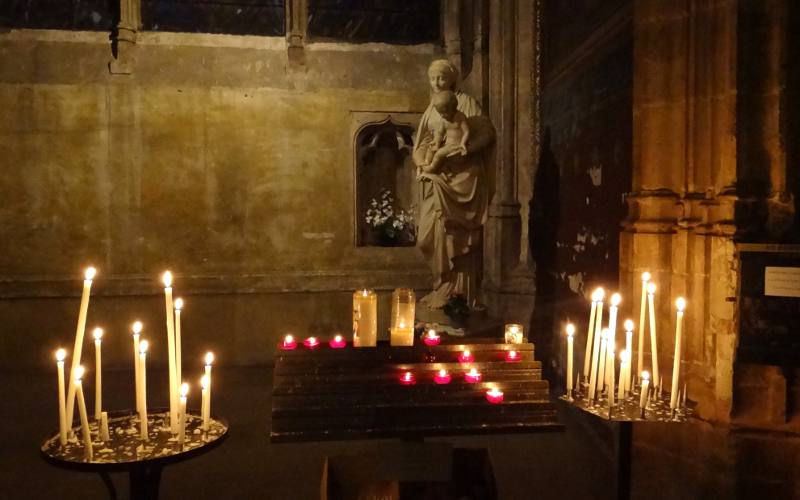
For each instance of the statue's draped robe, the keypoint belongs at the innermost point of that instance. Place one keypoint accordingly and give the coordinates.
(453, 203)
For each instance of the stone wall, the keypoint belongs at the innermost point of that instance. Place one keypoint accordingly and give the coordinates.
(585, 164)
(214, 158)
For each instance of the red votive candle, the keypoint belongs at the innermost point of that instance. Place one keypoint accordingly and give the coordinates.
(311, 342)
(431, 338)
(442, 377)
(513, 356)
(289, 343)
(338, 342)
(494, 396)
(408, 379)
(473, 376)
(466, 357)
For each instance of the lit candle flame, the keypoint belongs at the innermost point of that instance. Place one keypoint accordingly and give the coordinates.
(605, 333)
(442, 372)
(494, 391)
(167, 278)
(288, 339)
(645, 276)
(184, 389)
(432, 333)
(680, 304)
(178, 304)
(570, 329)
(514, 329)
(407, 376)
(473, 372)
(209, 357)
(78, 373)
(598, 294)
(466, 353)
(645, 375)
(97, 333)
(628, 325)
(89, 273)
(137, 328)
(143, 345)
(61, 354)
(616, 299)
(651, 288)
(337, 338)
(512, 354)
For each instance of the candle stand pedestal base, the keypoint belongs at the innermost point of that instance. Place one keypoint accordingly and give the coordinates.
(126, 452)
(623, 415)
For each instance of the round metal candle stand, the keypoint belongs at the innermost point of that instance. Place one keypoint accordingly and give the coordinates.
(125, 451)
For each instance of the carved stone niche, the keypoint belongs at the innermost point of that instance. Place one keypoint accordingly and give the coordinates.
(383, 143)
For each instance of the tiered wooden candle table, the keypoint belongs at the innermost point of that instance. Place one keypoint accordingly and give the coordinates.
(357, 393)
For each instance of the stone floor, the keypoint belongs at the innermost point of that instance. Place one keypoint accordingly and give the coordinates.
(570, 464)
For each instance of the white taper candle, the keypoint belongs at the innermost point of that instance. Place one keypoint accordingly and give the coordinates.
(137, 329)
(88, 276)
(143, 432)
(570, 333)
(62, 410)
(87, 435)
(98, 376)
(651, 291)
(674, 400)
(173, 381)
(642, 309)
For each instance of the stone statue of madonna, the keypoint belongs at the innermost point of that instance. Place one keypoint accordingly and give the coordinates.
(453, 195)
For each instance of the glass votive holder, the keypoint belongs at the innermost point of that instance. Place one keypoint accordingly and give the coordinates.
(515, 334)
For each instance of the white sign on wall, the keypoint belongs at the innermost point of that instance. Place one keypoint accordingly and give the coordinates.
(782, 281)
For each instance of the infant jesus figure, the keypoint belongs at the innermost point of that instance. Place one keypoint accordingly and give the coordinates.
(450, 133)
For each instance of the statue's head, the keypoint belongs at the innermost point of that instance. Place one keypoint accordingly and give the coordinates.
(446, 103)
(442, 75)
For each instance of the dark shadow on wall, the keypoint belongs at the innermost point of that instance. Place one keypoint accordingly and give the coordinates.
(543, 235)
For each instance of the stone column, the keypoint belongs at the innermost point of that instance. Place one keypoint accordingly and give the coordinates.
(296, 30)
(124, 40)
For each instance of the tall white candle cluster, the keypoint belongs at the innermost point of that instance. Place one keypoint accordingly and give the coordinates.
(599, 368)
(67, 397)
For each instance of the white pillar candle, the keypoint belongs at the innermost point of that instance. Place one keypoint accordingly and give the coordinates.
(62, 410)
(87, 436)
(587, 357)
(204, 404)
(173, 381)
(88, 275)
(98, 377)
(596, 344)
(680, 304)
(182, 417)
(209, 360)
(570, 333)
(601, 370)
(642, 309)
(629, 348)
(137, 329)
(365, 318)
(178, 342)
(610, 368)
(143, 388)
(104, 435)
(403, 311)
(645, 389)
(651, 291)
